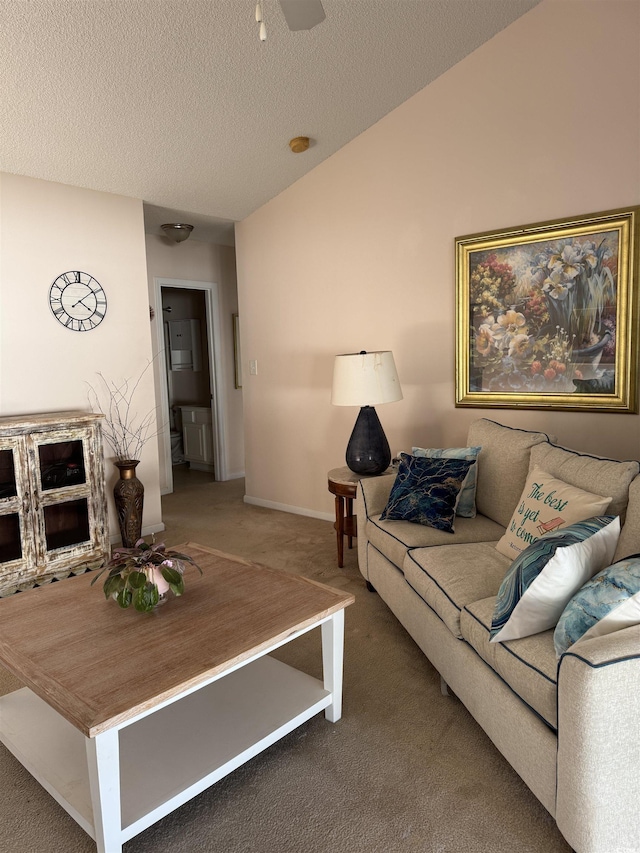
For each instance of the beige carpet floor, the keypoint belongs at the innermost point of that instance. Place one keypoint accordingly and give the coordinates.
(405, 769)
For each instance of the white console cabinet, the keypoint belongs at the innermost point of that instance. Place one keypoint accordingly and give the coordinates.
(197, 435)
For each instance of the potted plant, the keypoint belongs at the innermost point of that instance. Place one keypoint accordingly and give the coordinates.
(144, 575)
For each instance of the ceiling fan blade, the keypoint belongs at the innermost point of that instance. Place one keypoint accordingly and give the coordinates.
(302, 14)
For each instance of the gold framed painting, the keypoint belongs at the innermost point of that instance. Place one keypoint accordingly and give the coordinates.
(547, 315)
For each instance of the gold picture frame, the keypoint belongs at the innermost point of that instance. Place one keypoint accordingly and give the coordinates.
(237, 358)
(547, 315)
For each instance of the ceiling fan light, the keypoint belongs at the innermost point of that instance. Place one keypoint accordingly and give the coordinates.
(177, 231)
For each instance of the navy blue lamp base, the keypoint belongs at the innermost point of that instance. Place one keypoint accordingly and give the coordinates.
(368, 450)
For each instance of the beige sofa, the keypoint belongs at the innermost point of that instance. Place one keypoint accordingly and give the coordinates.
(570, 728)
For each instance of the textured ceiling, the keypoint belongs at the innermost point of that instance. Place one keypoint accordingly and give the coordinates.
(181, 105)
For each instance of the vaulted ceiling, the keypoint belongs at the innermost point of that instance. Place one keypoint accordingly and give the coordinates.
(180, 104)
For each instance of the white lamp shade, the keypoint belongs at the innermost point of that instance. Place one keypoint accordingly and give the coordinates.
(365, 379)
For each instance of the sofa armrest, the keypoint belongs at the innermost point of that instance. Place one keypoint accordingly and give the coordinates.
(598, 786)
(373, 494)
(371, 498)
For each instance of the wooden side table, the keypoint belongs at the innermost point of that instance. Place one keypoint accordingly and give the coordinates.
(343, 483)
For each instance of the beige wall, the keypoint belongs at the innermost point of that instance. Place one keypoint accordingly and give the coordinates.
(542, 122)
(47, 229)
(197, 261)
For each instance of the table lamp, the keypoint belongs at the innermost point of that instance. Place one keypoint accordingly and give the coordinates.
(366, 379)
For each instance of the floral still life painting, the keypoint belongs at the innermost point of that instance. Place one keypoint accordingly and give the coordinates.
(547, 315)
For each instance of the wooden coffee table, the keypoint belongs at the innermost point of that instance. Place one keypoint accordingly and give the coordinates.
(125, 716)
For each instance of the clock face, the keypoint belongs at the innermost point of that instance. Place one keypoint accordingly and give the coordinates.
(77, 301)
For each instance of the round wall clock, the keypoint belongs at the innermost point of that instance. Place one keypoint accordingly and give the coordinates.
(78, 301)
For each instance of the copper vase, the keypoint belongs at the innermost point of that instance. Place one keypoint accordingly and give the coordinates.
(128, 493)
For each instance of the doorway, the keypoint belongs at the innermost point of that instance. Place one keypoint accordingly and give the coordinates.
(189, 363)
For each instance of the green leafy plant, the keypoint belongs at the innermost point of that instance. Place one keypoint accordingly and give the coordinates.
(144, 575)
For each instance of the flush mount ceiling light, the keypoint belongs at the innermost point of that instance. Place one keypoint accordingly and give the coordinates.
(299, 144)
(177, 231)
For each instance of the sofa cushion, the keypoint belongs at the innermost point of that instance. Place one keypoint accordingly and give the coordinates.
(592, 473)
(544, 578)
(503, 465)
(395, 538)
(451, 576)
(546, 505)
(426, 491)
(629, 541)
(528, 666)
(609, 602)
(466, 506)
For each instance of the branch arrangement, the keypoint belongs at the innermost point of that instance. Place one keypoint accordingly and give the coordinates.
(125, 432)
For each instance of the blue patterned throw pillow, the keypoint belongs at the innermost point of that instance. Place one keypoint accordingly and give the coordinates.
(609, 602)
(467, 503)
(426, 491)
(544, 577)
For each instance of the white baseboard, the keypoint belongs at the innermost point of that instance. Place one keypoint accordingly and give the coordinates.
(296, 510)
(114, 538)
(235, 475)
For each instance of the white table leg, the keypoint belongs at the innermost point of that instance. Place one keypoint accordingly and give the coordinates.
(332, 657)
(103, 758)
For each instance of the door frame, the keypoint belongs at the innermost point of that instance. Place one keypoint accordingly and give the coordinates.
(211, 292)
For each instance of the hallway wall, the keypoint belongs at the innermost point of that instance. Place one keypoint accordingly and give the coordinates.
(197, 261)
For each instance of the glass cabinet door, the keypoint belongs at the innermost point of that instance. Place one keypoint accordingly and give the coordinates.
(61, 464)
(63, 486)
(66, 524)
(8, 488)
(11, 534)
(10, 541)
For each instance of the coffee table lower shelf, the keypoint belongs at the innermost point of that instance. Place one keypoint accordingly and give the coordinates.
(171, 755)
